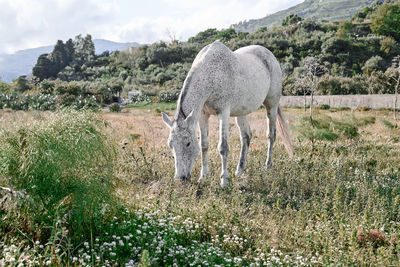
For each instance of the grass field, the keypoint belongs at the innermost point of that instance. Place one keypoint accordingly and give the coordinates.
(336, 203)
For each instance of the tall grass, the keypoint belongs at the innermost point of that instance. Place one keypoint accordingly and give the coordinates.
(324, 127)
(64, 165)
(339, 206)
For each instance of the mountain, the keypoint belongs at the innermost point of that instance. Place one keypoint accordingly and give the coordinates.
(331, 10)
(22, 62)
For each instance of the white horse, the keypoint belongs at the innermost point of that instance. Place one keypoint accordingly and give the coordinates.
(225, 83)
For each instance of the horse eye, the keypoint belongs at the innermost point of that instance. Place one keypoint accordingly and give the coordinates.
(188, 144)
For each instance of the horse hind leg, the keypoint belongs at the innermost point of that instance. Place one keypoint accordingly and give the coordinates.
(245, 136)
(272, 112)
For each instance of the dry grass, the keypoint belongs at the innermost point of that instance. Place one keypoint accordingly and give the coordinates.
(307, 210)
(310, 207)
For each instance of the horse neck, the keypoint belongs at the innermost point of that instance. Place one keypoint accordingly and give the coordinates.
(191, 100)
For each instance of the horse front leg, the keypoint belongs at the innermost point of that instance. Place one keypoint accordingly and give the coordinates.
(223, 147)
(203, 127)
(245, 136)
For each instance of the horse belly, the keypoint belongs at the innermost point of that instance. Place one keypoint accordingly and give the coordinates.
(248, 103)
(252, 94)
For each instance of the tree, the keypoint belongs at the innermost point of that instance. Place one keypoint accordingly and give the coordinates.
(5, 88)
(396, 79)
(44, 68)
(204, 37)
(49, 65)
(59, 56)
(291, 19)
(344, 29)
(70, 50)
(84, 48)
(389, 46)
(21, 84)
(313, 70)
(226, 35)
(373, 64)
(387, 20)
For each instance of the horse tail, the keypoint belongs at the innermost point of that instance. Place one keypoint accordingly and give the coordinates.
(283, 131)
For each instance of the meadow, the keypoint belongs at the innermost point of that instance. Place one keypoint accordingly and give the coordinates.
(97, 189)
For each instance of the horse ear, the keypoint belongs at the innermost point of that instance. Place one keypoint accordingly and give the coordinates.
(190, 119)
(166, 119)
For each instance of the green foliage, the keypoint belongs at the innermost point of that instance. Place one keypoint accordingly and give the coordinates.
(65, 166)
(44, 68)
(327, 128)
(21, 84)
(390, 47)
(83, 48)
(325, 10)
(204, 37)
(114, 107)
(334, 204)
(28, 102)
(354, 61)
(49, 65)
(291, 19)
(324, 106)
(373, 64)
(4, 88)
(387, 20)
(168, 97)
(388, 124)
(345, 28)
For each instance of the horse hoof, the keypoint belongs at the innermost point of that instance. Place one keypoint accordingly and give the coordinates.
(239, 173)
(268, 166)
(224, 182)
(204, 173)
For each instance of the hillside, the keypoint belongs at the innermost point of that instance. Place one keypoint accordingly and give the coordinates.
(22, 62)
(332, 10)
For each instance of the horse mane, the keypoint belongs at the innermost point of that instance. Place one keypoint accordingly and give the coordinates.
(187, 82)
(182, 96)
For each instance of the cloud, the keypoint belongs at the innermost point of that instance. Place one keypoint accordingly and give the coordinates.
(193, 16)
(30, 23)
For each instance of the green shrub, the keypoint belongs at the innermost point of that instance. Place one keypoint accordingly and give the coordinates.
(362, 108)
(28, 102)
(114, 107)
(388, 124)
(327, 128)
(324, 106)
(168, 97)
(65, 166)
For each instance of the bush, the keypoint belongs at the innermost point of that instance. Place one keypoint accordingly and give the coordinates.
(327, 128)
(168, 97)
(28, 102)
(141, 99)
(65, 166)
(324, 106)
(114, 107)
(388, 124)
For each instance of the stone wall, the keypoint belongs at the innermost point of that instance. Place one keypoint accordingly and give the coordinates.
(336, 101)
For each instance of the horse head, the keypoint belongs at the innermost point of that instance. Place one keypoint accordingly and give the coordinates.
(183, 143)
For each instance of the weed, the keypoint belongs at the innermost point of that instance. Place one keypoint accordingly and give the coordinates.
(115, 107)
(388, 124)
(65, 165)
(306, 211)
(324, 106)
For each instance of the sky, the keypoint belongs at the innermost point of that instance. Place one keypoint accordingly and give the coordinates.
(33, 23)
